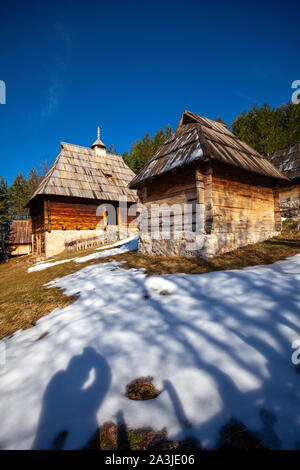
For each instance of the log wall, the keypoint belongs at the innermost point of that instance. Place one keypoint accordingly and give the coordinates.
(242, 202)
(234, 208)
(177, 189)
(71, 214)
(64, 219)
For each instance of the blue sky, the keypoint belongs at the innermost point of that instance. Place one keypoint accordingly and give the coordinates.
(133, 67)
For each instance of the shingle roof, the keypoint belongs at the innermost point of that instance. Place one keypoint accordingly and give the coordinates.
(287, 160)
(197, 138)
(80, 172)
(20, 233)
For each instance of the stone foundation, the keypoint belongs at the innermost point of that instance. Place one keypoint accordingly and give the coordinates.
(290, 209)
(56, 241)
(290, 213)
(202, 245)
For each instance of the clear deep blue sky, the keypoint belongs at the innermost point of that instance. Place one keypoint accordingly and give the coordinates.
(134, 66)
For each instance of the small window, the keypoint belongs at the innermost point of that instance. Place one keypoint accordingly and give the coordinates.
(110, 218)
(108, 175)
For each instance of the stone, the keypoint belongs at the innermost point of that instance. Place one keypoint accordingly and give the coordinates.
(164, 292)
(202, 245)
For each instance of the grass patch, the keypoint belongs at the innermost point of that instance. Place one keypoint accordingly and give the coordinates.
(141, 388)
(120, 437)
(291, 224)
(268, 252)
(24, 299)
(110, 436)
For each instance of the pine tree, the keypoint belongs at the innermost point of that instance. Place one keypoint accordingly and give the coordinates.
(268, 129)
(44, 169)
(19, 194)
(112, 149)
(32, 181)
(21, 191)
(143, 149)
(5, 217)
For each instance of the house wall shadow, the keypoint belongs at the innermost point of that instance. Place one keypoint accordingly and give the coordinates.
(71, 401)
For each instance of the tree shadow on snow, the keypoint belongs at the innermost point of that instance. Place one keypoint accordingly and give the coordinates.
(71, 401)
(255, 311)
(272, 299)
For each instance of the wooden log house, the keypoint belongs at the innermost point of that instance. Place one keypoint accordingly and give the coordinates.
(287, 161)
(18, 241)
(232, 191)
(63, 209)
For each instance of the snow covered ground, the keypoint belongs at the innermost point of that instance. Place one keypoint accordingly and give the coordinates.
(218, 346)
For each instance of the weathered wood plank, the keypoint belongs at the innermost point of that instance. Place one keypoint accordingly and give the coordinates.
(208, 201)
(277, 216)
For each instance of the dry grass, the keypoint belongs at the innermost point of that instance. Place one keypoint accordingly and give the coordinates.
(277, 248)
(141, 388)
(110, 436)
(24, 299)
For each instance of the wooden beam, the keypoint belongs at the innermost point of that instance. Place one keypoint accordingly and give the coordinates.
(48, 220)
(208, 201)
(142, 193)
(277, 216)
(200, 190)
(105, 218)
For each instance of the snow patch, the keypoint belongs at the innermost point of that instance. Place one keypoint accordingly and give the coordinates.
(218, 347)
(45, 265)
(128, 244)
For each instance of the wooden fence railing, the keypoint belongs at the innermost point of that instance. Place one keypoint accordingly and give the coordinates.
(84, 243)
(111, 235)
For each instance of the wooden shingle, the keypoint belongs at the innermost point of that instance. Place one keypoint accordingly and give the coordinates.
(287, 160)
(80, 172)
(20, 233)
(197, 138)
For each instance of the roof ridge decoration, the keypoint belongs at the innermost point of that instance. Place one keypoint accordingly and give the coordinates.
(65, 145)
(198, 138)
(98, 142)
